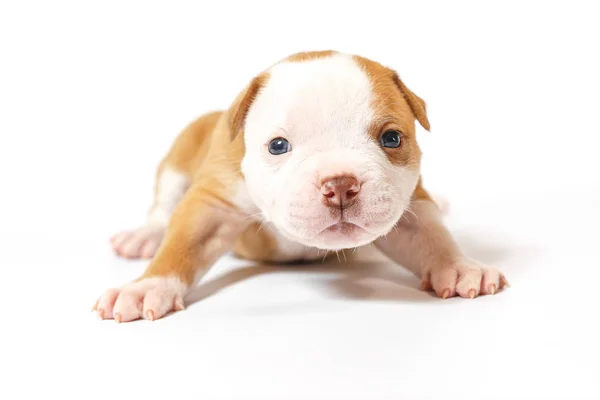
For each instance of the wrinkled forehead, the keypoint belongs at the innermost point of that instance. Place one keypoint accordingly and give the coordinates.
(328, 98)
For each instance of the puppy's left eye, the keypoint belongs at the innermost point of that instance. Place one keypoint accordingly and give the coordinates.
(390, 139)
(279, 146)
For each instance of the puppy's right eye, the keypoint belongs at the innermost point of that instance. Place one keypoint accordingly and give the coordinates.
(279, 146)
(390, 139)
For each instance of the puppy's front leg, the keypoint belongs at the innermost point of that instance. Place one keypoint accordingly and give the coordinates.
(421, 243)
(203, 227)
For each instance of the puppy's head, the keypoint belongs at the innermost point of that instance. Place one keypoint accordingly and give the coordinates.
(331, 157)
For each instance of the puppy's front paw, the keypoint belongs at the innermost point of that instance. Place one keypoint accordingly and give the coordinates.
(149, 298)
(465, 278)
(139, 243)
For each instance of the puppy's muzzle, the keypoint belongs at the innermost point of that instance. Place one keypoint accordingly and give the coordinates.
(340, 191)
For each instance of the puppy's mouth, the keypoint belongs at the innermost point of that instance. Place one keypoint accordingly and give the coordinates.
(331, 231)
(340, 235)
(343, 228)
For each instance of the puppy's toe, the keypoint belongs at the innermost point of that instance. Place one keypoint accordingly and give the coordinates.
(443, 281)
(104, 305)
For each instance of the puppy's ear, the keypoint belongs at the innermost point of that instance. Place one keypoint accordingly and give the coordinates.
(417, 104)
(236, 115)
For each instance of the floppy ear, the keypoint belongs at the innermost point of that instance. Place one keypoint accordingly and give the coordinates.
(236, 115)
(417, 104)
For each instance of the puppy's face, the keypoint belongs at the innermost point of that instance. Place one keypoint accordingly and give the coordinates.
(331, 157)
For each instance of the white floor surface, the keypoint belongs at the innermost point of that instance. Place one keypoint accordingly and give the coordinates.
(361, 331)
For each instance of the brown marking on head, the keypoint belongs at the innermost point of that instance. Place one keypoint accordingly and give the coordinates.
(239, 108)
(417, 104)
(310, 55)
(396, 108)
(420, 193)
(236, 115)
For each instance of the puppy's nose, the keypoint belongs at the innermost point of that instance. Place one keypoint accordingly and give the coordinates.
(340, 190)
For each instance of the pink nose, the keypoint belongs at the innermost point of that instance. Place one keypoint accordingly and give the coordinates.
(340, 190)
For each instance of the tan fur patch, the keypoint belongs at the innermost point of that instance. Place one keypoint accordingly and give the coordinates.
(189, 148)
(255, 244)
(392, 112)
(310, 55)
(420, 193)
(239, 109)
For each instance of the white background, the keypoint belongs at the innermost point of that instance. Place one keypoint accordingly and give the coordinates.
(93, 93)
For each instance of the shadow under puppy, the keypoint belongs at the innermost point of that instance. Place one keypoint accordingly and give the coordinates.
(317, 153)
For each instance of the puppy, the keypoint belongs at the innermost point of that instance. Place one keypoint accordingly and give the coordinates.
(317, 153)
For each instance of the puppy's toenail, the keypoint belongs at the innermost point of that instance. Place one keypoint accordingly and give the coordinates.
(445, 293)
(118, 318)
(472, 293)
(150, 315)
(492, 289)
(179, 304)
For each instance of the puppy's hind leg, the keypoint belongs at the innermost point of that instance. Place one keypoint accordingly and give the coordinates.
(172, 181)
(171, 185)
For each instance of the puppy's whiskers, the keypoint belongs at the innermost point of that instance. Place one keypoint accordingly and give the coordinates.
(252, 216)
(260, 226)
(412, 212)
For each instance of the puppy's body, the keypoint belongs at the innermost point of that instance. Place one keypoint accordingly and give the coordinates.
(318, 153)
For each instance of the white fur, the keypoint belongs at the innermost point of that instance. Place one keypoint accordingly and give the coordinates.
(288, 250)
(242, 200)
(323, 107)
(171, 187)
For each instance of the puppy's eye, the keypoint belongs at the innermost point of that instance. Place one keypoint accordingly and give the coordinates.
(390, 139)
(279, 146)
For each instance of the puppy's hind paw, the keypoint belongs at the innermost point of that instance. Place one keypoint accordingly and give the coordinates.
(139, 243)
